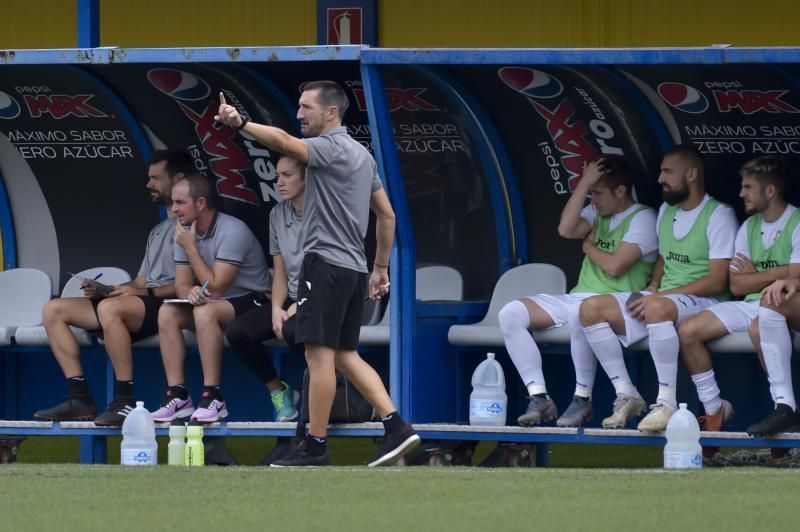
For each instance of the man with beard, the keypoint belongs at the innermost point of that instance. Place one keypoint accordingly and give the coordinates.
(766, 244)
(126, 315)
(695, 234)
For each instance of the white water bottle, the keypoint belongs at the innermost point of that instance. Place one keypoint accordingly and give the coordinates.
(176, 448)
(139, 446)
(683, 450)
(488, 402)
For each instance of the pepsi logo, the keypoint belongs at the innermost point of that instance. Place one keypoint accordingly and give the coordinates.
(9, 108)
(178, 84)
(530, 82)
(683, 97)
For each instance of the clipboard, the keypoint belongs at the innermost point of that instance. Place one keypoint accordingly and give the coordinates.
(100, 287)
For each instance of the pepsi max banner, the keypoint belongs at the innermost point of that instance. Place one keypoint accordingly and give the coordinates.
(73, 170)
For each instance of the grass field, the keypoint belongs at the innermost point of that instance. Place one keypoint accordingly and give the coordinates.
(74, 497)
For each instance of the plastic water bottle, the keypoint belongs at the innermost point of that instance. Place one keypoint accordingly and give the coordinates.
(683, 450)
(139, 446)
(195, 451)
(488, 402)
(176, 450)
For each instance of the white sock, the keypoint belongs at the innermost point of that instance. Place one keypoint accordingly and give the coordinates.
(776, 343)
(664, 347)
(607, 349)
(708, 391)
(582, 356)
(514, 322)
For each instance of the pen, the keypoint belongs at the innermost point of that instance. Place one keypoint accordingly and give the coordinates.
(202, 289)
(99, 275)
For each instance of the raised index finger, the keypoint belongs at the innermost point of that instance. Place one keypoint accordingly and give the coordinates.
(221, 98)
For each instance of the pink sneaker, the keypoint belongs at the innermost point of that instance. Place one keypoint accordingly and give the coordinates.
(209, 409)
(172, 408)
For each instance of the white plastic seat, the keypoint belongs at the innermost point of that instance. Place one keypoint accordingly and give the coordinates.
(37, 335)
(535, 278)
(434, 283)
(25, 292)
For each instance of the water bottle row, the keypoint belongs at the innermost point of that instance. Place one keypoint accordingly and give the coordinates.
(488, 406)
(140, 448)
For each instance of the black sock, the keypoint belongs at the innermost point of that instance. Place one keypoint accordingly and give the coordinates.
(123, 388)
(214, 392)
(541, 395)
(393, 423)
(179, 391)
(78, 385)
(316, 446)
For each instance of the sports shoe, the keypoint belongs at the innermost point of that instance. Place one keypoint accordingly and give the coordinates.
(578, 412)
(714, 423)
(540, 410)
(395, 445)
(116, 412)
(657, 419)
(299, 457)
(209, 409)
(626, 407)
(74, 408)
(173, 408)
(779, 420)
(283, 401)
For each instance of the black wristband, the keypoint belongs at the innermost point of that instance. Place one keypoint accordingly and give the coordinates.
(150, 292)
(245, 120)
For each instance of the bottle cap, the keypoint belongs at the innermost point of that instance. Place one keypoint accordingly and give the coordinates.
(195, 423)
(177, 423)
(489, 355)
(139, 404)
(683, 406)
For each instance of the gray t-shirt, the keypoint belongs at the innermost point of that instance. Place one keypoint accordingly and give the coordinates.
(158, 265)
(284, 240)
(230, 240)
(340, 178)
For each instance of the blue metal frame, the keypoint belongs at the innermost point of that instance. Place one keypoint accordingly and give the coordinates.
(88, 23)
(7, 234)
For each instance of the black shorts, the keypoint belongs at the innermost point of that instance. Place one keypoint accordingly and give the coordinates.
(329, 313)
(244, 304)
(149, 322)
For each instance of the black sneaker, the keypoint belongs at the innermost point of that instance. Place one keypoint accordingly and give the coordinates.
(116, 412)
(779, 420)
(395, 446)
(300, 458)
(74, 408)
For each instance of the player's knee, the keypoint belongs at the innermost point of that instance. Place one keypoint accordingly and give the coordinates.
(513, 315)
(237, 334)
(591, 312)
(690, 332)
(659, 310)
(167, 316)
(53, 311)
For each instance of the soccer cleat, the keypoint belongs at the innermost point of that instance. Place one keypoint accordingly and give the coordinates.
(626, 407)
(299, 457)
(777, 421)
(74, 408)
(209, 409)
(173, 408)
(283, 401)
(657, 419)
(540, 410)
(714, 423)
(116, 412)
(395, 445)
(578, 412)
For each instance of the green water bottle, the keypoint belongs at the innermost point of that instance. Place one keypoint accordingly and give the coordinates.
(195, 452)
(176, 449)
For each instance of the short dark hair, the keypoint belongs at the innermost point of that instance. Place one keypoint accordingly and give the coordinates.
(200, 186)
(767, 170)
(330, 94)
(617, 174)
(688, 153)
(177, 161)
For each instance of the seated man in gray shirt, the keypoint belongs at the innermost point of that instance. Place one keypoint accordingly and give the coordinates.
(246, 332)
(126, 315)
(221, 270)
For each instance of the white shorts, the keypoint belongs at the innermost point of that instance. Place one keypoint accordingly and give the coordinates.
(636, 330)
(736, 316)
(558, 306)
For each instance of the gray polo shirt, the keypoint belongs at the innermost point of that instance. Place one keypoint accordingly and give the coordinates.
(230, 240)
(158, 265)
(284, 240)
(340, 178)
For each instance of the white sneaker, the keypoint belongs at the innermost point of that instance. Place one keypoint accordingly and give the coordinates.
(626, 407)
(657, 419)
